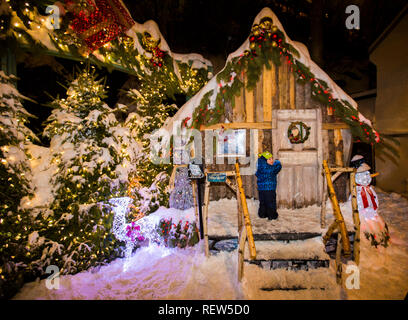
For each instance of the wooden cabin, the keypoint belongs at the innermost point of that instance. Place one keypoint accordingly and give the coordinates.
(277, 104)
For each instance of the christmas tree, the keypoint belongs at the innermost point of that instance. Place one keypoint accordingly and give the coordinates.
(15, 183)
(152, 178)
(93, 156)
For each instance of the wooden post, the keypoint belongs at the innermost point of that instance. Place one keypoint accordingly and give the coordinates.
(269, 86)
(247, 220)
(330, 231)
(336, 210)
(292, 95)
(339, 266)
(323, 209)
(205, 218)
(193, 183)
(356, 218)
(239, 206)
(249, 102)
(338, 147)
(241, 251)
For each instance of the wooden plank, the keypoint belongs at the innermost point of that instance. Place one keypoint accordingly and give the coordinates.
(308, 95)
(231, 185)
(282, 86)
(247, 220)
(339, 266)
(228, 173)
(336, 211)
(268, 87)
(338, 147)
(205, 218)
(330, 231)
(249, 103)
(239, 207)
(292, 91)
(335, 125)
(341, 169)
(239, 125)
(356, 218)
(336, 175)
(320, 151)
(323, 208)
(299, 185)
(259, 100)
(241, 250)
(239, 108)
(194, 183)
(300, 95)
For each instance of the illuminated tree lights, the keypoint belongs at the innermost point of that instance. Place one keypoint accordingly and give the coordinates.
(92, 154)
(15, 183)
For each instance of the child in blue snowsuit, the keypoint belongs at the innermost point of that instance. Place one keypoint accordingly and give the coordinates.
(266, 172)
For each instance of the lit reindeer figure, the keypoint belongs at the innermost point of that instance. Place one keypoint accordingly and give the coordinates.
(120, 227)
(130, 232)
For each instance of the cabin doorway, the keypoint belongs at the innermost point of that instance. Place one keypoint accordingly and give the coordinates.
(297, 143)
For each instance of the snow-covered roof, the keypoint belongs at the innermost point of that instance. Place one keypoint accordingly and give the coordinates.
(39, 32)
(304, 57)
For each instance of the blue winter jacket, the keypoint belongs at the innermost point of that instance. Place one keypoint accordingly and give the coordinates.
(266, 174)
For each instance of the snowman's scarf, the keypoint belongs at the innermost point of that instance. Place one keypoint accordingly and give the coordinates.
(364, 191)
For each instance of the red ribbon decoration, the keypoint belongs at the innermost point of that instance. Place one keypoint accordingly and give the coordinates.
(364, 191)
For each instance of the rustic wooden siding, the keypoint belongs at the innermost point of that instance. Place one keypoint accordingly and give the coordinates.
(276, 89)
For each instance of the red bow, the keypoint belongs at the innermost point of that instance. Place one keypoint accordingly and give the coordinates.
(364, 191)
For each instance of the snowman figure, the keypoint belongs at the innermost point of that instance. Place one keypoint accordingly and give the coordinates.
(372, 225)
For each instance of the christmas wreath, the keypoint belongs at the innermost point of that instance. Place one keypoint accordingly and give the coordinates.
(298, 132)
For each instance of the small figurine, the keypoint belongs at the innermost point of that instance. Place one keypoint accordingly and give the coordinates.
(372, 225)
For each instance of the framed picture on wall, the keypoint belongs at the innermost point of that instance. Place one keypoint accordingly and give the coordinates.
(232, 143)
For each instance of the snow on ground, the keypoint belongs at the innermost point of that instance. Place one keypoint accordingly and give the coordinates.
(159, 273)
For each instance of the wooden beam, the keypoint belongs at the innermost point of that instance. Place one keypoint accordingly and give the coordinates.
(356, 218)
(336, 211)
(241, 251)
(336, 175)
(323, 208)
(249, 103)
(228, 173)
(341, 169)
(268, 87)
(239, 125)
(247, 220)
(338, 145)
(205, 218)
(335, 125)
(231, 185)
(238, 110)
(339, 265)
(292, 93)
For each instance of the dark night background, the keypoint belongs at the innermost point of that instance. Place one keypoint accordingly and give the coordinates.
(215, 28)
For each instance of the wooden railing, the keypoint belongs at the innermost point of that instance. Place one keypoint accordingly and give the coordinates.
(244, 222)
(343, 241)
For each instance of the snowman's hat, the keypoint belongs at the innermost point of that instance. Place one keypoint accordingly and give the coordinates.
(357, 157)
(357, 161)
(363, 167)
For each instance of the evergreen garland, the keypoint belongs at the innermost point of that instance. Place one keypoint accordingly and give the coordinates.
(267, 43)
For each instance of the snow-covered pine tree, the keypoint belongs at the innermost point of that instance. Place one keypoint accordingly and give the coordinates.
(153, 179)
(15, 183)
(94, 156)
